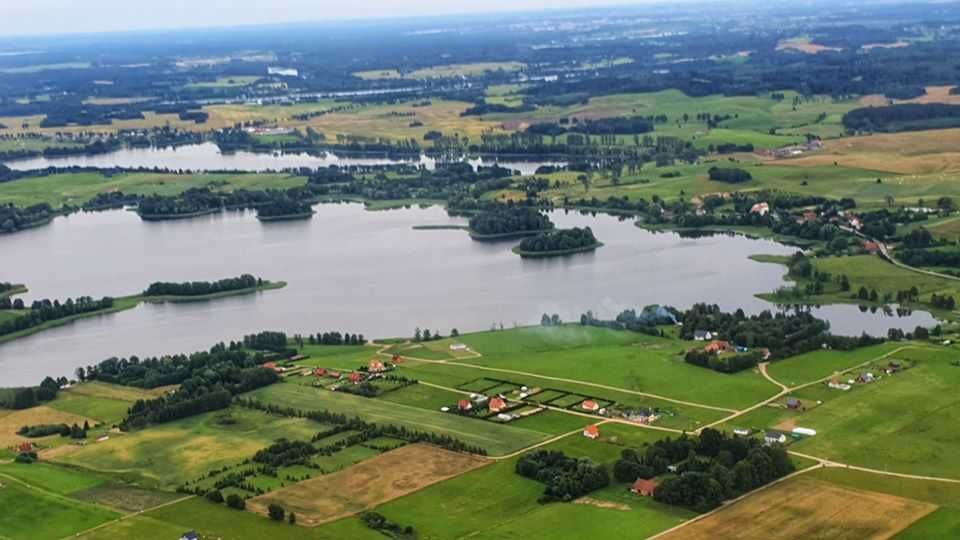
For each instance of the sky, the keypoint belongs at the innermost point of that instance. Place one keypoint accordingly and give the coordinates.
(40, 17)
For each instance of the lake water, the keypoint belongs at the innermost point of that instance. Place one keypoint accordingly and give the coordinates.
(353, 270)
(207, 157)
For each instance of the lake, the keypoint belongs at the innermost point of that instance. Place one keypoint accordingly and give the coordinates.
(207, 157)
(366, 272)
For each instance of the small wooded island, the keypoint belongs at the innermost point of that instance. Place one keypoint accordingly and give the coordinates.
(558, 243)
(284, 209)
(508, 222)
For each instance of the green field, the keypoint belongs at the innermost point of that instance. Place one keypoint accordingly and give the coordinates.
(902, 423)
(618, 359)
(813, 366)
(495, 438)
(78, 188)
(170, 454)
(59, 516)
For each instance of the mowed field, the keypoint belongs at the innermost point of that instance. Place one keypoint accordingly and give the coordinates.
(12, 421)
(369, 483)
(170, 454)
(803, 508)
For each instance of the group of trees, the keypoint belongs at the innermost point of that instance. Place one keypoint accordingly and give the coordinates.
(724, 363)
(565, 478)
(703, 471)
(335, 338)
(266, 341)
(389, 529)
(26, 397)
(203, 288)
(43, 311)
(509, 219)
(784, 334)
(284, 207)
(43, 430)
(645, 322)
(729, 175)
(14, 218)
(560, 241)
(602, 126)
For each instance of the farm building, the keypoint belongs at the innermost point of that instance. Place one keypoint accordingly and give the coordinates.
(590, 405)
(497, 404)
(320, 372)
(356, 377)
(644, 487)
(775, 437)
(376, 366)
(806, 432)
(464, 405)
(591, 432)
(836, 384)
(334, 374)
(458, 347)
(760, 208)
(871, 247)
(273, 366)
(25, 447)
(397, 359)
(742, 432)
(717, 347)
(793, 403)
(702, 335)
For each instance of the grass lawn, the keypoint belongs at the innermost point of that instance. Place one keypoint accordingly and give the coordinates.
(902, 423)
(426, 397)
(53, 478)
(169, 454)
(618, 359)
(495, 438)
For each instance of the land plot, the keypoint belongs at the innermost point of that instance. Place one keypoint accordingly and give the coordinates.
(368, 484)
(806, 508)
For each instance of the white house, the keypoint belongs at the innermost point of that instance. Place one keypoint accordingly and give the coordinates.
(775, 437)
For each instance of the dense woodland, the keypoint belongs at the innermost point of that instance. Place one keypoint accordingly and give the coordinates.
(565, 478)
(564, 240)
(903, 117)
(44, 311)
(700, 472)
(504, 220)
(203, 288)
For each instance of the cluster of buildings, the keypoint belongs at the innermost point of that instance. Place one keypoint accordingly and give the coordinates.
(793, 151)
(375, 369)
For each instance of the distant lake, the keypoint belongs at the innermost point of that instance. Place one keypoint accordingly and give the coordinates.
(207, 157)
(366, 272)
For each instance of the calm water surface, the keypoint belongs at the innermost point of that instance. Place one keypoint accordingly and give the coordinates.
(207, 157)
(367, 272)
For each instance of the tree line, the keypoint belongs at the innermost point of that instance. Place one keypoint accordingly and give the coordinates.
(508, 219)
(43, 311)
(203, 288)
(564, 478)
(559, 241)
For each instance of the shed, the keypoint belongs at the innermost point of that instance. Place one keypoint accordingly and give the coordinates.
(644, 487)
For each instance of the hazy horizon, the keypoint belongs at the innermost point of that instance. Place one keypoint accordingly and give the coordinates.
(57, 17)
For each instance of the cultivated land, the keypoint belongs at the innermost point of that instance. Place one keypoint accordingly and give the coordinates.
(807, 508)
(363, 486)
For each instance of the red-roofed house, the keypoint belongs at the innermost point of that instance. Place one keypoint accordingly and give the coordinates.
(590, 405)
(464, 405)
(356, 377)
(871, 247)
(717, 347)
(25, 447)
(376, 366)
(334, 374)
(320, 372)
(497, 404)
(591, 432)
(397, 359)
(761, 208)
(644, 487)
(273, 366)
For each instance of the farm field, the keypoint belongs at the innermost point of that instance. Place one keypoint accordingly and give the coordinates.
(875, 273)
(646, 364)
(900, 423)
(12, 422)
(170, 454)
(367, 484)
(806, 508)
(809, 367)
(495, 438)
(61, 516)
(914, 152)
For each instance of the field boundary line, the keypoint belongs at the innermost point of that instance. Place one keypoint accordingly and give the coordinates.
(542, 443)
(830, 464)
(128, 516)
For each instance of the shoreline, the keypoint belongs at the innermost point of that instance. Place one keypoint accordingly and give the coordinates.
(556, 253)
(286, 217)
(125, 303)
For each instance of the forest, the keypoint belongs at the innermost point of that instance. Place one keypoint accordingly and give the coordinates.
(560, 241)
(43, 311)
(903, 117)
(509, 219)
(564, 478)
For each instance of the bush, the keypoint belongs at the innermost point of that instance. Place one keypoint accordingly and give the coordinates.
(276, 512)
(236, 502)
(215, 496)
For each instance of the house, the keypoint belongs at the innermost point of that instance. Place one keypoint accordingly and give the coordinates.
(272, 366)
(356, 377)
(504, 417)
(761, 208)
(806, 432)
(591, 432)
(742, 432)
(702, 335)
(775, 437)
(590, 405)
(320, 372)
(189, 535)
(397, 359)
(717, 347)
(376, 366)
(497, 404)
(855, 223)
(872, 247)
(464, 405)
(456, 347)
(837, 385)
(334, 374)
(793, 403)
(644, 487)
(25, 448)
